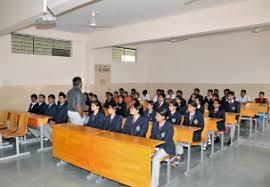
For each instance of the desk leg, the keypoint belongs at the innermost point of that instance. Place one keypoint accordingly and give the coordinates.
(3, 146)
(213, 143)
(41, 141)
(263, 123)
(250, 126)
(222, 141)
(188, 159)
(61, 163)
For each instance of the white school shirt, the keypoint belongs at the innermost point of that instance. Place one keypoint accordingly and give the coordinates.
(170, 96)
(145, 98)
(244, 99)
(155, 99)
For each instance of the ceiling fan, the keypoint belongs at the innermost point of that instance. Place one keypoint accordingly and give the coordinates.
(47, 18)
(92, 21)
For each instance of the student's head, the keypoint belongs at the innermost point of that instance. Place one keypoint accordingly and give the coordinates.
(136, 95)
(94, 98)
(243, 93)
(34, 98)
(41, 98)
(215, 96)
(162, 92)
(133, 91)
(115, 94)
(85, 96)
(125, 93)
(216, 103)
(178, 99)
(179, 93)
(144, 92)
(121, 99)
(95, 106)
(197, 101)
(170, 92)
(192, 107)
(136, 109)
(121, 91)
(51, 99)
(216, 91)
(226, 91)
(173, 106)
(112, 108)
(261, 95)
(193, 96)
(157, 91)
(77, 82)
(161, 98)
(62, 97)
(161, 115)
(197, 91)
(210, 92)
(231, 95)
(150, 105)
(110, 96)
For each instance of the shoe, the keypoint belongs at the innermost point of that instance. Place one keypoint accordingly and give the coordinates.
(217, 140)
(229, 142)
(175, 161)
(209, 141)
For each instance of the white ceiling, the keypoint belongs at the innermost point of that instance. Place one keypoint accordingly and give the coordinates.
(123, 12)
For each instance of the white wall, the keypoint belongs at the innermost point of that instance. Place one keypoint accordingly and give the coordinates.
(21, 69)
(243, 55)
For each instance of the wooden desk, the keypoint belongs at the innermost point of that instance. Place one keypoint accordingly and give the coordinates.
(183, 135)
(72, 144)
(247, 113)
(37, 121)
(211, 125)
(123, 158)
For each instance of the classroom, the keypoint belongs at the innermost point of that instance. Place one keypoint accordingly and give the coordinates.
(141, 93)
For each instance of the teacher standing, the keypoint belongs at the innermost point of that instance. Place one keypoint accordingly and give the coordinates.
(76, 104)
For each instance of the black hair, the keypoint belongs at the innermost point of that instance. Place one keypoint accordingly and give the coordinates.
(179, 97)
(179, 91)
(97, 103)
(76, 81)
(170, 90)
(34, 96)
(244, 91)
(174, 103)
(163, 112)
(122, 96)
(121, 89)
(42, 95)
(261, 93)
(197, 89)
(193, 104)
(210, 90)
(215, 95)
(51, 96)
(85, 93)
(231, 93)
(162, 95)
(115, 92)
(218, 101)
(113, 105)
(91, 94)
(151, 102)
(144, 92)
(62, 94)
(227, 90)
(138, 106)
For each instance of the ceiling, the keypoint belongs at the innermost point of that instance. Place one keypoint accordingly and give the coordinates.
(124, 12)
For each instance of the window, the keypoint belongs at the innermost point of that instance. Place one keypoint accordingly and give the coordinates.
(27, 44)
(125, 55)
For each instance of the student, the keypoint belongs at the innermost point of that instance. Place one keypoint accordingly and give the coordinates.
(174, 116)
(200, 108)
(170, 94)
(197, 93)
(109, 100)
(128, 99)
(34, 104)
(116, 96)
(162, 130)
(132, 92)
(121, 107)
(121, 91)
(52, 107)
(216, 91)
(261, 99)
(150, 113)
(113, 122)
(209, 98)
(243, 97)
(156, 96)
(215, 97)
(180, 107)
(42, 106)
(219, 113)
(60, 116)
(136, 124)
(192, 98)
(161, 102)
(232, 106)
(180, 94)
(225, 97)
(145, 96)
(192, 118)
(97, 117)
(86, 101)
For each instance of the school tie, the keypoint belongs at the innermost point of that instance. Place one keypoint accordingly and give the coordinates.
(133, 121)
(191, 119)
